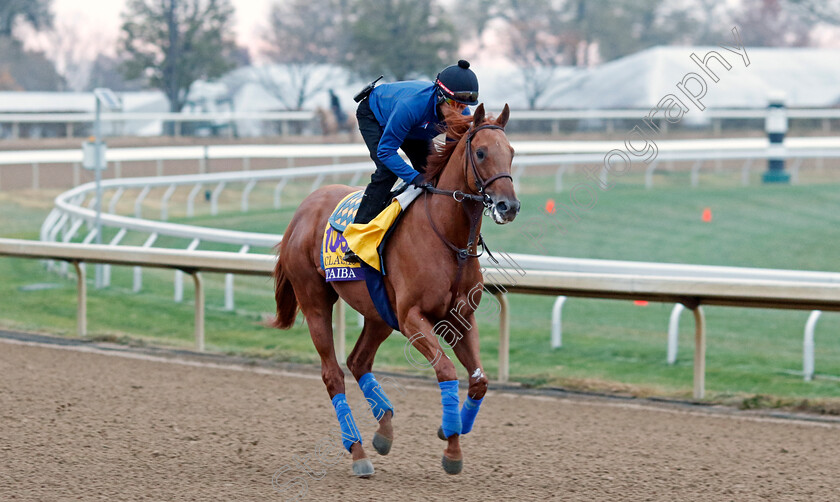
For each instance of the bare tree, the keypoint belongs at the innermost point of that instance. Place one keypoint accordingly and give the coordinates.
(26, 70)
(306, 39)
(819, 10)
(772, 24)
(401, 39)
(73, 49)
(34, 12)
(537, 43)
(176, 42)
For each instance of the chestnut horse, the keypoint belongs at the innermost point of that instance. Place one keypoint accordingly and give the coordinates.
(432, 267)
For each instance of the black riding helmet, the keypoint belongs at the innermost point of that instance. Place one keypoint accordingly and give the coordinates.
(458, 83)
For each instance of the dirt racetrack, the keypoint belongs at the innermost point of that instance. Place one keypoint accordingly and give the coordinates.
(99, 422)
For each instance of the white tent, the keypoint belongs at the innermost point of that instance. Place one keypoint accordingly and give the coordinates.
(808, 77)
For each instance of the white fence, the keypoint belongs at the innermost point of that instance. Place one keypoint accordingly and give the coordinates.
(565, 155)
(286, 119)
(73, 209)
(754, 288)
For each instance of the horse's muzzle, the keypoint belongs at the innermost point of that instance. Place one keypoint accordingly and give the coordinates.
(504, 210)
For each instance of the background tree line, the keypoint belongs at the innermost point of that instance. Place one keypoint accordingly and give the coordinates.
(168, 44)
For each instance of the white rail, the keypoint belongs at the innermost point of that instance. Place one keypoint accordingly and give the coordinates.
(307, 115)
(705, 148)
(67, 218)
(690, 291)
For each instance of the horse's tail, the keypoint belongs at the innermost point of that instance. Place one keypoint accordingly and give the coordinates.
(284, 296)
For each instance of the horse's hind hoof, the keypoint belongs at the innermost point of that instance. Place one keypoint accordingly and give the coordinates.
(362, 468)
(441, 434)
(452, 466)
(381, 444)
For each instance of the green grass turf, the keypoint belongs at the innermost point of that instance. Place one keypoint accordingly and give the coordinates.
(608, 345)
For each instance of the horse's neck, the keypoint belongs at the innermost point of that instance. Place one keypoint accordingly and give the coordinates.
(449, 216)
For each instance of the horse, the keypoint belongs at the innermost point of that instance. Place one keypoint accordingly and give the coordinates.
(330, 125)
(432, 268)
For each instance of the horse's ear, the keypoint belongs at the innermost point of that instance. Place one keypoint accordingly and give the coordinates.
(478, 116)
(503, 118)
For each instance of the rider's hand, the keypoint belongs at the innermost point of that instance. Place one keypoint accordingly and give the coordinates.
(418, 181)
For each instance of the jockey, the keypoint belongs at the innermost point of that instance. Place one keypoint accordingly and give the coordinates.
(407, 115)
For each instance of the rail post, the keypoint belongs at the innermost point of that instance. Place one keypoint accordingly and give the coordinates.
(557, 323)
(199, 310)
(674, 333)
(504, 336)
(699, 352)
(808, 346)
(340, 330)
(81, 292)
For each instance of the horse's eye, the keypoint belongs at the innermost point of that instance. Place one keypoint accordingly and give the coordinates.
(479, 154)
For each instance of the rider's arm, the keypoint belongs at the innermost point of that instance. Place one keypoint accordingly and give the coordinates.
(400, 122)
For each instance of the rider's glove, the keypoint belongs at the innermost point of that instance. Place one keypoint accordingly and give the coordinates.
(418, 181)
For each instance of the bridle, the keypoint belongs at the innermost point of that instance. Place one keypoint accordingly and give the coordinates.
(480, 184)
(477, 204)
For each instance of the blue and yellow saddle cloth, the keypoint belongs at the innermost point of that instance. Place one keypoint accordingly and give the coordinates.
(335, 245)
(367, 240)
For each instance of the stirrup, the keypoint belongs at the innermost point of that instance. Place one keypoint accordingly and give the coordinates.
(351, 257)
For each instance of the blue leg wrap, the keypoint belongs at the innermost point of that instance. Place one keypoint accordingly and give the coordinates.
(349, 431)
(375, 396)
(449, 399)
(468, 413)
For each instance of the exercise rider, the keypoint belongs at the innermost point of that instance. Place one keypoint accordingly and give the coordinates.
(407, 115)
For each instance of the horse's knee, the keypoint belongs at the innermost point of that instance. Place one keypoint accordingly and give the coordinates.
(333, 378)
(358, 365)
(353, 362)
(445, 370)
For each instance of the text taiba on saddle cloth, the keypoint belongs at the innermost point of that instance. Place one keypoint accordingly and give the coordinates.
(332, 258)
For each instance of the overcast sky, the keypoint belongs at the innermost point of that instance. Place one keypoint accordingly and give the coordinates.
(103, 17)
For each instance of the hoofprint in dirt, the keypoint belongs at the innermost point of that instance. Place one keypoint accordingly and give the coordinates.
(85, 423)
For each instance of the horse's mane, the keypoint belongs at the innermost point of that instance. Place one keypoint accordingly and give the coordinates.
(456, 127)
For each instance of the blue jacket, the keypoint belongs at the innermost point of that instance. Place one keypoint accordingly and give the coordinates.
(405, 110)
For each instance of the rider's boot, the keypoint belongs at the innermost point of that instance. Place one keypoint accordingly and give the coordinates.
(370, 206)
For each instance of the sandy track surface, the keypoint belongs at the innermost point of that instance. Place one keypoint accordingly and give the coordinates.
(86, 423)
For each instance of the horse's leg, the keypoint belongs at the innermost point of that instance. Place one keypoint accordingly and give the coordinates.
(466, 349)
(424, 340)
(360, 363)
(316, 299)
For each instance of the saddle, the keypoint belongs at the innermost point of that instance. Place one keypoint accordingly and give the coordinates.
(368, 241)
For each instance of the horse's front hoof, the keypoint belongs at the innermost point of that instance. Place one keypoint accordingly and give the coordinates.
(363, 468)
(381, 444)
(441, 434)
(452, 466)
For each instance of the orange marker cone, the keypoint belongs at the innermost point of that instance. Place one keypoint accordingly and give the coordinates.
(707, 215)
(549, 206)
(640, 303)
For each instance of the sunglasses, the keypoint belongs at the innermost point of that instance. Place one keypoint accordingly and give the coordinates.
(464, 96)
(452, 102)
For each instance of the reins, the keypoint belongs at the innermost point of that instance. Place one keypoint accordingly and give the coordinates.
(473, 213)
